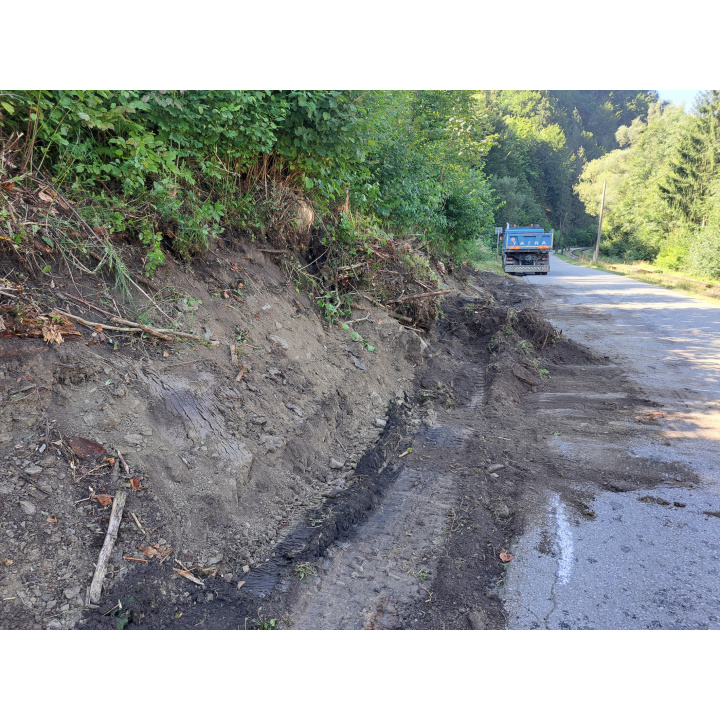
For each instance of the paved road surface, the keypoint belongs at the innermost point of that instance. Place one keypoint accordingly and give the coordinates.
(638, 564)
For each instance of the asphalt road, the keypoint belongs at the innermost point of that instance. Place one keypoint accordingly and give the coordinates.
(638, 565)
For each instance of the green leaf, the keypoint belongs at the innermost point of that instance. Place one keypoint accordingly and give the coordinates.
(8, 107)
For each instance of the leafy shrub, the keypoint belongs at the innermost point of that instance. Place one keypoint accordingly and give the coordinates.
(703, 255)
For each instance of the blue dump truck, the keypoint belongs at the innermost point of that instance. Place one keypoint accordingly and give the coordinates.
(526, 250)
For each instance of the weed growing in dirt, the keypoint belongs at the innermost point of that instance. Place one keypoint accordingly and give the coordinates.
(333, 305)
(263, 624)
(304, 570)
(356, 337)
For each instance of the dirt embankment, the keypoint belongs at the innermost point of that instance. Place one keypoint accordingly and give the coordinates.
(229, 447)
(284, 474)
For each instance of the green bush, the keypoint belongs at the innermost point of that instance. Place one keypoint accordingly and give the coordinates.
(703, 255)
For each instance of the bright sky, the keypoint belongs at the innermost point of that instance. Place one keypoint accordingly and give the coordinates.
(679, 96)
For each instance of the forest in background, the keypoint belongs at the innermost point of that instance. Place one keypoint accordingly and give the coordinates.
(167, 171)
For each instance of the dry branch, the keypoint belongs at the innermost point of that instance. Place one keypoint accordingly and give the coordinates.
(162, 333)
(124, 464)
(110, 537)
(241, 373)
(187, 574)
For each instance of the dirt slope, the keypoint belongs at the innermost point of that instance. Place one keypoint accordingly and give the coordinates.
(227, 466)
(289, 491)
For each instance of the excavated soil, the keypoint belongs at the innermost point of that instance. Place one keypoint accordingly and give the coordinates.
(325, 486)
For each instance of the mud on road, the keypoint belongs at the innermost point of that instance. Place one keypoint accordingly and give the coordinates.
(330, 489)
(501, 390)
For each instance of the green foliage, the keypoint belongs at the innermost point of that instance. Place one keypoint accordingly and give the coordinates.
(703, 254)
(425, 169)
(545, 140)
(334, 305)
(357, 337)
(170, 170)
(695, 165)
(304, 570)
(183, 162)
(662, 189)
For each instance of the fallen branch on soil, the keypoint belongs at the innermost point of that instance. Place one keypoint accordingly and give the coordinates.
(418, 297)
(161, 333)
(124, 464)
(138, 523)
(115, 517)
(189, 576)
(373, 301)
(273, 252)
(241, 373)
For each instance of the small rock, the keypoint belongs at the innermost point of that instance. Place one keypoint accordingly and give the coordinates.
(495, 476)
(336, 463)
(134, 439)
(294, 408)
(272, 442)
(215, 559)
(72, 592)
(246, 569)
(379, 422)
(494, 468)
(33, 470)
(278, 341)
(27, 507)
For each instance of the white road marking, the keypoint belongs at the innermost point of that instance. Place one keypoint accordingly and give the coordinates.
(564, 536)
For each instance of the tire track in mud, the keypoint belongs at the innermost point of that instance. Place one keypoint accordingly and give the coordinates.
(365, 583)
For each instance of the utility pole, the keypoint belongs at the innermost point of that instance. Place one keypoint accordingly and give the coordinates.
(602, 207)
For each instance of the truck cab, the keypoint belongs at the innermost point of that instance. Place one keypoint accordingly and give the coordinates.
(526, 250)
